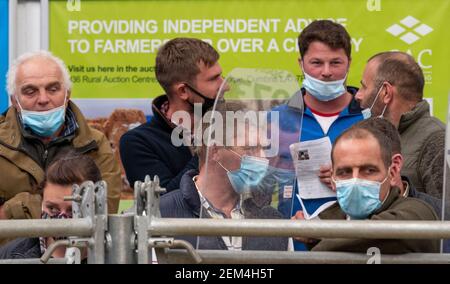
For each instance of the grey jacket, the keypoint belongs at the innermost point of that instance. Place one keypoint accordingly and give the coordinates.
(423, 144)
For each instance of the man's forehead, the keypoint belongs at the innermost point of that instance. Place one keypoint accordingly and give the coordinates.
(371, 67)
(39, 67)
(357, 151)
(357, 164)
(38, 72)
(209, 71)
(321, 49)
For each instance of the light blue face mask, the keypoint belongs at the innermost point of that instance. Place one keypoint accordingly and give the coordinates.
(367, 113)
(358, 198)
(44, 123)
(250, 174)
(277, 178)
(323, 90)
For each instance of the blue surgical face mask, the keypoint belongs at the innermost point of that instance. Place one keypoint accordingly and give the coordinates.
(367, 113)
(324, 90)
(358, 198)
(250, 174)
(44, 123)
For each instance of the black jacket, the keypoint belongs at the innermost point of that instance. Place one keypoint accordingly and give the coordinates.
(185, 203)
(148, 150)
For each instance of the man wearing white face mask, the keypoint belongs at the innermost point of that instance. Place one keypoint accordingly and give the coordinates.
(41, 123)
(392, 87)
(329, 105)
(363, 170)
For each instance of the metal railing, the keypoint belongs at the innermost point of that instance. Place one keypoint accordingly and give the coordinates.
(366, 229)
(127, 238)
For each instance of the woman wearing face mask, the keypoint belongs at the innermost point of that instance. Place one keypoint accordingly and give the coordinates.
(329, 105)
(60, 176)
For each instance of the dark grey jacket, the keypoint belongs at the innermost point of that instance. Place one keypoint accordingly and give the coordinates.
(423, 143)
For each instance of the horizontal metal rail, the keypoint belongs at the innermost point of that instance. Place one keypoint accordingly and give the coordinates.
(33, 261)
(46, 228)
(366, 229)
(284, 257)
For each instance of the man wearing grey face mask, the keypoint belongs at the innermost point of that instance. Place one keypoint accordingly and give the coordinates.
(392, 87)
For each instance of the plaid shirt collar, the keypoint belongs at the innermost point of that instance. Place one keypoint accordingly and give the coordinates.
(70, 124)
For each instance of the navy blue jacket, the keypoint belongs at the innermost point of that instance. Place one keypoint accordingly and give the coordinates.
(431, 200)
(21, 248)
(185, 203)
(148, 150)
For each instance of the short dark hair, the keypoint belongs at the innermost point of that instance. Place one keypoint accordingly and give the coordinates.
(72, 168)
(242, 127)
(178, 61)
(385, 126)
(332, 34)
(402, 71)
(355, 132)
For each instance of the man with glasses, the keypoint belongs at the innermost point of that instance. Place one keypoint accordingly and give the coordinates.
(232, 182)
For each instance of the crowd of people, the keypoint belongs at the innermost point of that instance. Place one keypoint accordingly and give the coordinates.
(386, 158)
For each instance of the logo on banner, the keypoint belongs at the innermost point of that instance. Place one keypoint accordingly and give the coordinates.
(73, 5)
(409, 30)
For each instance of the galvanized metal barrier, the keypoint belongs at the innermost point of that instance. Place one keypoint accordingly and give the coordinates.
(158, 226)
(127, 238)
(85, 230)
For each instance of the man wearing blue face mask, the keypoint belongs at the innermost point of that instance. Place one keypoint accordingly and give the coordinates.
(364, 168)
(329, 105)
(392, 87)
(41, 123)
(228, 185)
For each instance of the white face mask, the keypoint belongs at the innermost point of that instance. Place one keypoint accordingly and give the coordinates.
(324, 90)
(367, 113)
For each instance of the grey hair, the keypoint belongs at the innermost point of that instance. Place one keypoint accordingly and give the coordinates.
(12, 72)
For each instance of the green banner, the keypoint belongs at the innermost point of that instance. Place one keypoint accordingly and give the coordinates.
(110, 46)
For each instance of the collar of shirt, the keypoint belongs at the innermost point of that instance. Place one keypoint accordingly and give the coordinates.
(232, 242)
(43, 244)
(406, 186)
(71, 124)
(215, 213)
